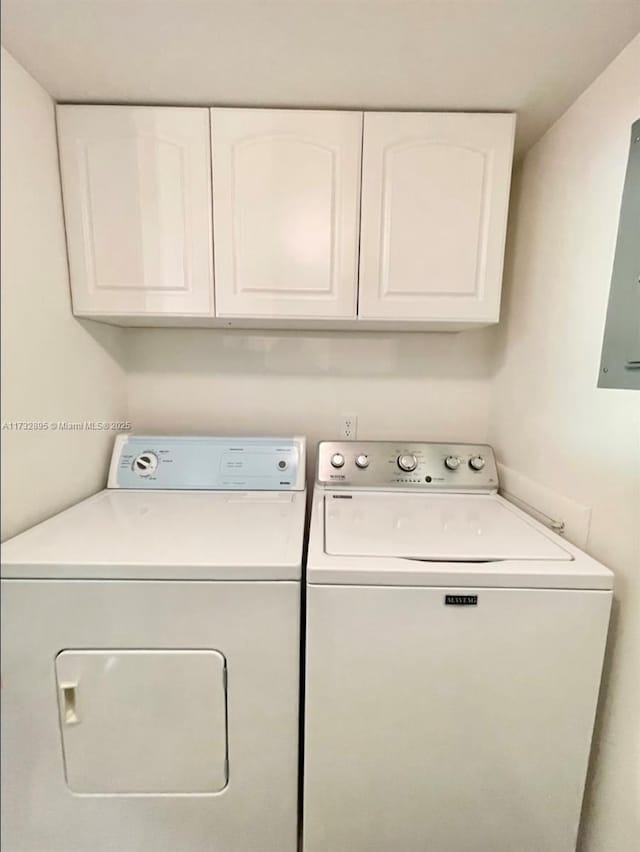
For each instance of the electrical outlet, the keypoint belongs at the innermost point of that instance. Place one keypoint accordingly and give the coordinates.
(349, 427)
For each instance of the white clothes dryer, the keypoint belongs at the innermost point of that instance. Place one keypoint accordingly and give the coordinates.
(150, 655)
(453, 658)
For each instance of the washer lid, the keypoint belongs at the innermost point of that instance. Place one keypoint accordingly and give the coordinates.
(432, 527)
(184, 535)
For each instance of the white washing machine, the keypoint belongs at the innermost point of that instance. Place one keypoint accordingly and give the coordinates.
(453, 659)
(150, 655)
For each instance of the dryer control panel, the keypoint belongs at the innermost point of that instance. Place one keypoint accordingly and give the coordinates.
(206, 463)
(407, 465)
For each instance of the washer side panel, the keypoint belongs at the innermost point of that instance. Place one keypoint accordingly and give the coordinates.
(449, 726)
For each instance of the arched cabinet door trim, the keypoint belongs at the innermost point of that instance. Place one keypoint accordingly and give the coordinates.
(435, 192)
(286, 212)
(136, 185)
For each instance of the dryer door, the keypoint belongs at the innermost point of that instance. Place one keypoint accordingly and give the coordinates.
(143, 721)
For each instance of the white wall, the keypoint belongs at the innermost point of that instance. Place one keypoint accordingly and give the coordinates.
(532, 56)
(549, 420)
(53, 367)
(416, 385)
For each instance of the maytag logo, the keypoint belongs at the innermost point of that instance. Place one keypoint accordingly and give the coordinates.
(461, 600)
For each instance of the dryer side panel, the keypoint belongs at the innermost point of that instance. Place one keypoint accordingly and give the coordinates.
(117, 730)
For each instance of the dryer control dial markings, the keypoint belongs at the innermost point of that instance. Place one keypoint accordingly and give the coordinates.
(145, 464)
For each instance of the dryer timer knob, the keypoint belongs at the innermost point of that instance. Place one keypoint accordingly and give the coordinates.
(452, 462)
(337, 460)
(145, 464)
(476, 462)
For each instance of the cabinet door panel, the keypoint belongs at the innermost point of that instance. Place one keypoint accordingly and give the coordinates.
(434, 205)
(137, 193)
(286, 205)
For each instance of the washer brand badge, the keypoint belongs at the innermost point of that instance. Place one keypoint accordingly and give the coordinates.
(461, 600)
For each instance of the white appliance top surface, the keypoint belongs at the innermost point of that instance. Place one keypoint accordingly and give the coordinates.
(232, 535)
(434, 527)
(383, 538)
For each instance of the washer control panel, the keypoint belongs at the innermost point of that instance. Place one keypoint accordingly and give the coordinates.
(414, 464)
(207, 463)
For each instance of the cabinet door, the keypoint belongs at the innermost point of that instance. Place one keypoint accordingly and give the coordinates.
(435, 193)
(286, 187)
(137, 196)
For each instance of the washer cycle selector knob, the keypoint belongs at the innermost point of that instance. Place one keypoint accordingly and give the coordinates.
(476, 462)
(337, 460)
(362, 461)
(145, 464)
(452, 462)
(407, 462)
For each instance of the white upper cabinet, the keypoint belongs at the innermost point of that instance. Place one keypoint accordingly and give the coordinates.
(295, 239)
(435, 195)
(137, 197)
(286, 190)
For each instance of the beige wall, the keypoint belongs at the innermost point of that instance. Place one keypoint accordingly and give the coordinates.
(414, 385)
(549, 420)
(541, 408)
(53, 367)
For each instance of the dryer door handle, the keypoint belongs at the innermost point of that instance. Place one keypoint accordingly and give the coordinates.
(68, 703)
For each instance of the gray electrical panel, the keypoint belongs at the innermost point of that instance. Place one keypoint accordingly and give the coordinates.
(620, 364)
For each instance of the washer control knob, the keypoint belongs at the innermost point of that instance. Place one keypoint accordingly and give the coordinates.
(407, 462)
(362, 461)
(337, 460)
(476, 462)
(145, 464)
(452, 462)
